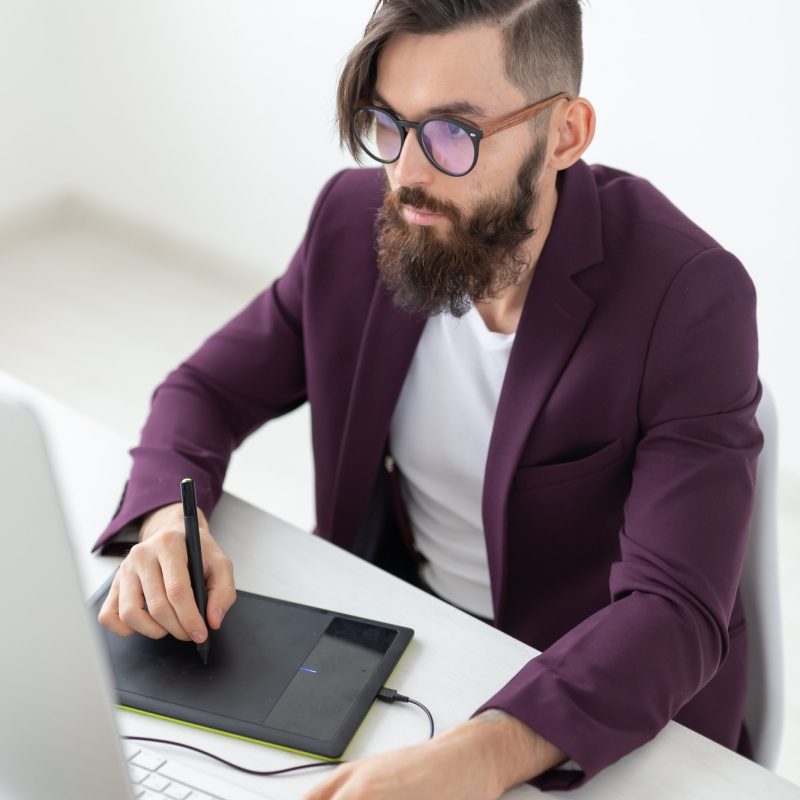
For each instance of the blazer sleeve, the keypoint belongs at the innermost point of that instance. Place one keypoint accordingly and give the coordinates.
(250, 371)
(612, 682)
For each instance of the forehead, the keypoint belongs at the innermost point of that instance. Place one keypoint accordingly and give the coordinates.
(419, 72)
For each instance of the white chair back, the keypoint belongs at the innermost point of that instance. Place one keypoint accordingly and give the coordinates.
(759, 588)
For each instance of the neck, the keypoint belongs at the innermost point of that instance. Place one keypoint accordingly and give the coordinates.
(502, 313)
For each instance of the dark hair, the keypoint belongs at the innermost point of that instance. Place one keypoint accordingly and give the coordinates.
(543, 47)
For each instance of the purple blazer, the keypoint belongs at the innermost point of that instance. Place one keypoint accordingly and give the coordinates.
(620, 476)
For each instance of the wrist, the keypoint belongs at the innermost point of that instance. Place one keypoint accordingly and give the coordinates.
(169, 517)
(508, 751)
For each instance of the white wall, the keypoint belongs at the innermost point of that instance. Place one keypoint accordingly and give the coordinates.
(32, 157)
(214, 121)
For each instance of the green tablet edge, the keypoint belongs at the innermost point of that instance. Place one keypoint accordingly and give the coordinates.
(228, 733)
(262, 742)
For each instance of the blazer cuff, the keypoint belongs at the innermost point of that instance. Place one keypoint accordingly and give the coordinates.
(141, 496)
(120, 542)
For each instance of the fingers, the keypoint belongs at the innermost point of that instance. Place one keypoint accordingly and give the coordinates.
(109, 612)
(428, 771)
(152, 593)
(140, 575)
(168, 595)
(124, 611)
(330, 786)
(220, 585)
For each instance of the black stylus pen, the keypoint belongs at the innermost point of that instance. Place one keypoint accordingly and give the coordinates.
(196, 575)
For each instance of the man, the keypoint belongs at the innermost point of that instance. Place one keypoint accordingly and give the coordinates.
(555, 367)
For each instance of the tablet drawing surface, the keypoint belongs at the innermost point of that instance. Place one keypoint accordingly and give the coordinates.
(278, 672)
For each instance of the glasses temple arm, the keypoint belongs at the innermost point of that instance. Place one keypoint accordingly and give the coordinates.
(520, 116)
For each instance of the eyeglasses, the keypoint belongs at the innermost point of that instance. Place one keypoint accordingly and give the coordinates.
(449, 143)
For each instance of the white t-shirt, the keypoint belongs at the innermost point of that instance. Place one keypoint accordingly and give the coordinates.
(440, 435)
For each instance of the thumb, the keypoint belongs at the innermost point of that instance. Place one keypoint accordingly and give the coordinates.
(221, 590)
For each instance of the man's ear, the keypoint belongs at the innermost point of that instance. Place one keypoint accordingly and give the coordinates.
(574, 131)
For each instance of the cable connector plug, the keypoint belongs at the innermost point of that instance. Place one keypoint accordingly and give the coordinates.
(391, 696)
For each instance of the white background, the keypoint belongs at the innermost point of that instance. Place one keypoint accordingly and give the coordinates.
(214, 122)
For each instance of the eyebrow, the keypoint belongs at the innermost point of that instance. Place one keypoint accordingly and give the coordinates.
(459, 108)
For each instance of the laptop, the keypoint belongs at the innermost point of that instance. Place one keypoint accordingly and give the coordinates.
(58, 737)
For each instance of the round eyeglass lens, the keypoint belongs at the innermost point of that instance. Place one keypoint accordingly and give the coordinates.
(449, 145)
(378, 134)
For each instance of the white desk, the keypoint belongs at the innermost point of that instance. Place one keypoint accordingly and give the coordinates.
(452, 665)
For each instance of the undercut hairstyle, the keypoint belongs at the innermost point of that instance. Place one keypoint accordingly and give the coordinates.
(542, 47)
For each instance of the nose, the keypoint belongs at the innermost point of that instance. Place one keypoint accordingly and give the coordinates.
(413, 167)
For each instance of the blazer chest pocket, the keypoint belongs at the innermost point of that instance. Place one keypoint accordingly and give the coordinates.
(551, 474)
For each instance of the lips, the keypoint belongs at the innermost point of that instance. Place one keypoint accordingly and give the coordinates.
(419, 216)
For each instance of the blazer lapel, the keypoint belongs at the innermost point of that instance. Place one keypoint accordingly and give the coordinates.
(554, 316)
(387, 347)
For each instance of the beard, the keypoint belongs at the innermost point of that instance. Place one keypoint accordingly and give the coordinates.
(482, 254)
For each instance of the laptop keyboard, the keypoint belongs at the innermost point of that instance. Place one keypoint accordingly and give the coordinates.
(154, 778)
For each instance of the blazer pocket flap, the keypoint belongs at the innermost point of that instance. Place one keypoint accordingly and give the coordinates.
(549, 474)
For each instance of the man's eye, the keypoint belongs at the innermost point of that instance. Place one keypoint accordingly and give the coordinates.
(454, 129)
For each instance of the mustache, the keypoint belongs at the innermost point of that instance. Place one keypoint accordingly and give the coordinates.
(419, 198)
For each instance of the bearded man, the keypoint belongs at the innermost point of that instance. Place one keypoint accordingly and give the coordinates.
(553, 365)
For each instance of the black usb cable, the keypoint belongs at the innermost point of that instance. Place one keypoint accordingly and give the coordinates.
(391, 696)
(386, 695)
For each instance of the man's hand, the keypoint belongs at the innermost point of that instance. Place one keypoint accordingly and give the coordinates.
(478, 760)
(152, 593)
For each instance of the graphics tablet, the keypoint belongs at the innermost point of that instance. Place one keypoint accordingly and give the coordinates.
(279, 673)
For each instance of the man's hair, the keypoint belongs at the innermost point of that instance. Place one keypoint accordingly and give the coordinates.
(542, 46)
